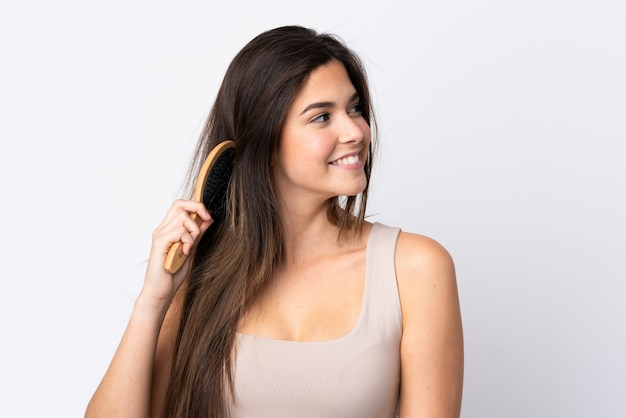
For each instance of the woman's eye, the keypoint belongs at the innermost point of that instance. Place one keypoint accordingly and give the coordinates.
(320, 118)
(356, 109)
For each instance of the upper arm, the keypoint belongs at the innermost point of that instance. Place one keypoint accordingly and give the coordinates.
(432, 337)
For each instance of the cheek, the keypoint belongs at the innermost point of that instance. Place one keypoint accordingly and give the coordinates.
(322, 148)
(312, 149)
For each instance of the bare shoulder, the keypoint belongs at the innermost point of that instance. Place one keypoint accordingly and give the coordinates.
(426, 277)
(432, 337)
(421, 260)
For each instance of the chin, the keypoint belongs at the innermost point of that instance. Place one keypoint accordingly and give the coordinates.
(352, 191)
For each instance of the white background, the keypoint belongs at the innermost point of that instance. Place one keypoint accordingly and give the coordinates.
(503, 137)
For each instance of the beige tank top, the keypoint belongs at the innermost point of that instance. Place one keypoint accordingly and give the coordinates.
(357, 375)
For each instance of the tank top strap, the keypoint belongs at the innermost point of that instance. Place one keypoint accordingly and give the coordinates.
(381, 299)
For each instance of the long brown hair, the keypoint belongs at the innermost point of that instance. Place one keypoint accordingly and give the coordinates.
(239, 255)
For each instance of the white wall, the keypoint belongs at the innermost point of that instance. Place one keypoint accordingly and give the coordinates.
(503, 136)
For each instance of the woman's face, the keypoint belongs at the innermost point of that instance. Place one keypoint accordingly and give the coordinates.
(325, 139)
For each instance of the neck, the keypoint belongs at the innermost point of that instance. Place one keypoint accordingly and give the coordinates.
(308, 230)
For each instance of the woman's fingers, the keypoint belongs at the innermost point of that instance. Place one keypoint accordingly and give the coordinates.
(185, 222)
(188, 206)
(190, 232)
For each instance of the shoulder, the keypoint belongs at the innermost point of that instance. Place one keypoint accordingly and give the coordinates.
(420, 258)
(426, 281)
(432, 336)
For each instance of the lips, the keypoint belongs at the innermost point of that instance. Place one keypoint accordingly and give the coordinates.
(349, 160)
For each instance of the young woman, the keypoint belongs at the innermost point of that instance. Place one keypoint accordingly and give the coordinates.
(293, 305)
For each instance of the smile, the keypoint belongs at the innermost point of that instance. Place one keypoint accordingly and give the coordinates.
(353, 159)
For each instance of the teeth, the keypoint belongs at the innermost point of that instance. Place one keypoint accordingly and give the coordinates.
(347, 160)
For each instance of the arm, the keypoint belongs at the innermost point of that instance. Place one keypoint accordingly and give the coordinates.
(164, 355)
(431, 350)
(137, 367)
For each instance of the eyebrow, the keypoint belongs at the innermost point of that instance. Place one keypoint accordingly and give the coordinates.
(319, 105)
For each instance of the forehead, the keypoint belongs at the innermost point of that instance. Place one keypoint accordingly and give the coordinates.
(329, 81)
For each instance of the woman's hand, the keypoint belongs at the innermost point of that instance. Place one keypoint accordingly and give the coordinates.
(178, 225)
(128, 386)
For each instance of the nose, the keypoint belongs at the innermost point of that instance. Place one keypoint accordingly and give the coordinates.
(352, 129)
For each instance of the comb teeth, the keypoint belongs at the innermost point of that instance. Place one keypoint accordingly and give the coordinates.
(214, 192)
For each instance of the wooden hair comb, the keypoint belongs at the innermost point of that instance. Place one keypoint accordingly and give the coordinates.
(210, 189)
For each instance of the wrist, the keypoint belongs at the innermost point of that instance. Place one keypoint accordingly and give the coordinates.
(148, 306)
